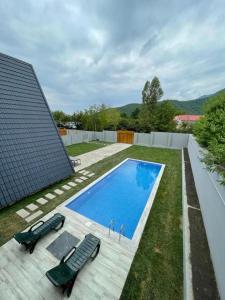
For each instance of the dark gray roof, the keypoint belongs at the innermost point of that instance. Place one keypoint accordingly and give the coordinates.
(32, 155)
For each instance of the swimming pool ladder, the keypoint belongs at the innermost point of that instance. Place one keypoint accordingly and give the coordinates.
(111, 226)
(122, 231)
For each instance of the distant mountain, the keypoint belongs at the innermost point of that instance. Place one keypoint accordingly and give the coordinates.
(129, 108)
(192, 107)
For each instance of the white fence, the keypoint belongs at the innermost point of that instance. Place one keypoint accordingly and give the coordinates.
(211, 196)
(162, 139)
(154, 139)
(80, 136)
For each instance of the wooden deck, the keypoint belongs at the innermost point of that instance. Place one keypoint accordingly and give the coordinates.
(23, 277)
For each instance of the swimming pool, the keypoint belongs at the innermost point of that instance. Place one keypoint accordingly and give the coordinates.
(120, 195)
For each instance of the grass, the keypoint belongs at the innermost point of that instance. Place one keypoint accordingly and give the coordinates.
(81, 148)
(156, 272)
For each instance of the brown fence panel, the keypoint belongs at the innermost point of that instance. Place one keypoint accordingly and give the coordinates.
(62, 131)
(125, 136)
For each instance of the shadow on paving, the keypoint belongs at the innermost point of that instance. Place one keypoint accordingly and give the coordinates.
(203, 277)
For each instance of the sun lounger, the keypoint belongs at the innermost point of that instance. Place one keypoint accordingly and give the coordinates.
(30, 238)
(65, 274)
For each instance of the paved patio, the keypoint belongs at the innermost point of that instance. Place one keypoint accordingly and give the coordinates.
(90, 158)
(22, 275)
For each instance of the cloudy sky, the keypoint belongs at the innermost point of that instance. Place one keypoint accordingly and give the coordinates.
(103, 51)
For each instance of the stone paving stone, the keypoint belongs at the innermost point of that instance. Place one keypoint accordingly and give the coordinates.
(85, 173)
(32, 207)
(42, 201)
(23, 213)
(71, 184)
(66, 187)
(78, 180)
(50, 196)
(58, 192)
(90, 175)
(34, 216)
(82, 172)
(83, 178)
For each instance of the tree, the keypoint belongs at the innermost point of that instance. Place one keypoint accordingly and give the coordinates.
(94, 118)
(135, 113)
(123, 115)
(210, 133)
(60, 116)
(151, 93)
(112, 116)
(165, 113)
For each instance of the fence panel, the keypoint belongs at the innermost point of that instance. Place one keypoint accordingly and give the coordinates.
(178, 140)
(110, 136)
(154, 139)
(212, 201)
(144, 139)
(162, 139)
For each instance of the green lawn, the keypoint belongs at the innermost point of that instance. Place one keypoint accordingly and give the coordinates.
(81, 148)
(156, 272)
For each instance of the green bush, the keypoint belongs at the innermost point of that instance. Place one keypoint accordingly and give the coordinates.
(210, 133)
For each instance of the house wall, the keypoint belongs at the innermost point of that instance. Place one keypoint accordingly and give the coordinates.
(211, 196)
(30, 145)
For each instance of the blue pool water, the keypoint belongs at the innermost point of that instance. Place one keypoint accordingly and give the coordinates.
(120, 196)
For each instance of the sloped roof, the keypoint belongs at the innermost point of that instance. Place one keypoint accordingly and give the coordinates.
(32, 154)
(187, 118)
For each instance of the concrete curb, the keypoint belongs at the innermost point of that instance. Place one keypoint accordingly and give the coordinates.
(187, 270)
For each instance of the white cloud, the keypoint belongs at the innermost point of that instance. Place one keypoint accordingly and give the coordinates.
(88, 52)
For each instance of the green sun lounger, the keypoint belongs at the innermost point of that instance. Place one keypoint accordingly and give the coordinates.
(65, 274)
(30, 238)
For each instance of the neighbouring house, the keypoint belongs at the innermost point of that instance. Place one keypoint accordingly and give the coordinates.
(32, 155)
(186, 119)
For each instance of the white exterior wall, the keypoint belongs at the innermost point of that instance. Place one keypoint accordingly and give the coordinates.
(211, 196)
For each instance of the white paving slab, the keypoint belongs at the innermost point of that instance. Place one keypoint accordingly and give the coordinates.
(90, 175)
(58, 192)
(34, 216)
(66, 187)
(78, 180)
(50, 196)
(23, 213)
(32, 207)
(71, 184)
(83, 178)
(92, 157)
(42, 201)
(85, 173)
(82, 172)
